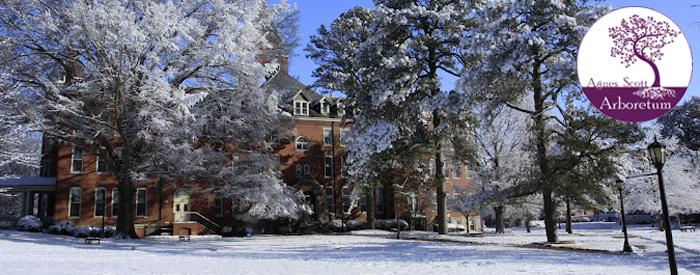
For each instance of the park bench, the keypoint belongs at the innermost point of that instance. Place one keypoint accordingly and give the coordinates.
(185, 234)
(92, 240)
(475, 234)
(687, 228)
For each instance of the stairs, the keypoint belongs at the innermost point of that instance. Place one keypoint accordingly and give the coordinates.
(166, 230)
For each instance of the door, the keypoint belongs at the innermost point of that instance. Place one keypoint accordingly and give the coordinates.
(181, 206)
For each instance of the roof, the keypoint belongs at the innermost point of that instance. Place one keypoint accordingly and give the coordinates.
(289, 87)
(27, 181)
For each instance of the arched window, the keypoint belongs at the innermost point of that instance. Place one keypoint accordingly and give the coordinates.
(302, 144)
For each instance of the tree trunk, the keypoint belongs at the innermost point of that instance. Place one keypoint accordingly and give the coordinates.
(541, 140)
(568, 217)
(440, 181)
(372, 198)
(500, 226)
(125, 219)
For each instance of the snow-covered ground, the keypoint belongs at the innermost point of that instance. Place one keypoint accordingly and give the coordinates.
(363, 252)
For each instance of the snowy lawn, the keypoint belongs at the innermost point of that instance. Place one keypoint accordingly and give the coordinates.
(372, 253)
(646, 241)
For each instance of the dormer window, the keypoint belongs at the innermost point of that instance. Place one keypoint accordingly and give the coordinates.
(325, 107)
(341, 109)
(301, 108)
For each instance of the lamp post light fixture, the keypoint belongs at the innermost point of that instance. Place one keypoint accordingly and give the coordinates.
(620, 185)
(657, 154)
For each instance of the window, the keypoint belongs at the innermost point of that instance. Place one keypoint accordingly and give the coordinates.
(302, 144)
(456, 172)
(100, 203)
(301, 108)
(327, 136)
(115, 202)
(379, 195)
(325, 107)
(77, 160)
(330, 199)
(328, 166)
(343, 136)
(346, 199)
(298, 170)
(141, 202)
(102, 164)
(219, 206)
(343, 166)
(74, 200)
(301, 170)
(341, 109)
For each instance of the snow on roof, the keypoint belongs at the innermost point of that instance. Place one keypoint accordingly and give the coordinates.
(27, 181)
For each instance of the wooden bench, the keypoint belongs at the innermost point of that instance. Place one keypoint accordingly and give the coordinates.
(92, 240)
(475, 234)
(185, 234)
(687, 228)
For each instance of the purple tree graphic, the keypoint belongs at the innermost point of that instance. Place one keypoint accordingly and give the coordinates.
(638, 38)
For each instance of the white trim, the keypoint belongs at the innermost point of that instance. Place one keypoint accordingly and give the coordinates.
(72, 159)
(97, 163)
(342, 135)
(114, 190)
(343, 196)
(70, 202)
(324, 136)
(296, 144)
(104, 201)
(145, 198)
(325, 106)
(456, 173)
(325, 158)
(320, 118)
(302, 108)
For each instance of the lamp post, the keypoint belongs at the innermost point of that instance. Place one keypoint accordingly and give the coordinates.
(657, 154)
(626, 247)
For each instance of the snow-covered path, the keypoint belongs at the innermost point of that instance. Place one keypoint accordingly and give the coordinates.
(35, 253)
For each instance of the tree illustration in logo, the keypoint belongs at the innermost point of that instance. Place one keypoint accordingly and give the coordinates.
(638, 38)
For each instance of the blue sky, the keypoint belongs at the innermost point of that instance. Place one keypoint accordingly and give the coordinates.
(317, 12)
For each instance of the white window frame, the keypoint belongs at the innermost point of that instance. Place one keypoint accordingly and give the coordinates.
(70, 202)
(328, 166)
(104, 202)
(341, 108)
(145, 198)
(325, 106)
(343, 133)
(73, 160)
(344, 196)
(301, 108)
(304, 146)
(98, 159)
(115, 194)
(329, 131)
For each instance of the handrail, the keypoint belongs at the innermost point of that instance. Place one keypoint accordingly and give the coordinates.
(218, 227)
(150, 224)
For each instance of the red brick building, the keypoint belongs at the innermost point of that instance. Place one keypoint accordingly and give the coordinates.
(84, 191)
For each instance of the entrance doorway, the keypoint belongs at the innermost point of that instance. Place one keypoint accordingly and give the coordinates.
(181, 206)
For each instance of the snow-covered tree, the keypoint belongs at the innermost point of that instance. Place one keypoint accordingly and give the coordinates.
(503, 161)
(125, 77)
(683, 122)
(534, 42)
(680, 177)
(390, 70)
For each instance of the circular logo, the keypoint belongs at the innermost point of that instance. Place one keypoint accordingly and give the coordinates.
(634, 64)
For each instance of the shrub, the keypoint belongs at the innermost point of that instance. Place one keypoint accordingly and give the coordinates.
(29, 223)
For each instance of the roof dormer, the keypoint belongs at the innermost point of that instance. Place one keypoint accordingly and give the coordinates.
(325, 106)
(301, 104)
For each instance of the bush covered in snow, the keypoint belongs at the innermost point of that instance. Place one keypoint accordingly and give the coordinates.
(390, 224)
(63, 227)
(29, 223)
